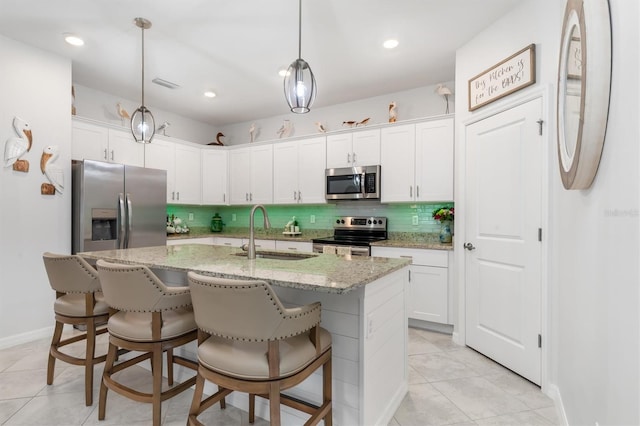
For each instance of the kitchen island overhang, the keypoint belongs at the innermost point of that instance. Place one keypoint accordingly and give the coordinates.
(363, 306)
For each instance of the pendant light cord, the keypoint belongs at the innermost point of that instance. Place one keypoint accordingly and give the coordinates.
(143, 66)
(299, 29)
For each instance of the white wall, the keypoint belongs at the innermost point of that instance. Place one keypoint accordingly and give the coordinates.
(415, 103)
(35, 86)
(101, 106)
(593, 276)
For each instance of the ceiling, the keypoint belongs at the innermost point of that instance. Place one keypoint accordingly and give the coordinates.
(236, 48)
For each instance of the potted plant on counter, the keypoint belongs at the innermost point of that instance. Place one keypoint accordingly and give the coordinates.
(445, 216)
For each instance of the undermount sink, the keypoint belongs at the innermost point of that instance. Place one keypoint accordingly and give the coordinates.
(278, 256)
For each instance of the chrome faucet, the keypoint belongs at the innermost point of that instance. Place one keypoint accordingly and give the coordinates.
(251, 247)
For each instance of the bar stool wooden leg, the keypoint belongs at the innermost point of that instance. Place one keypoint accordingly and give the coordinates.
(326, 390)
(252, 408)
(170, 366)
(57, 335)
(156, 360)
(274, 404)
(111, 359)
(88, 363)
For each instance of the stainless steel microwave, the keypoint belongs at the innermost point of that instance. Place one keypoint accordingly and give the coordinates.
(353, 183)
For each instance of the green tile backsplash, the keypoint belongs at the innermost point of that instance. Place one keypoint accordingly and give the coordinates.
(400, 215)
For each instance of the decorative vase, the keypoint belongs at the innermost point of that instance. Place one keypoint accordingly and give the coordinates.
(446, 231)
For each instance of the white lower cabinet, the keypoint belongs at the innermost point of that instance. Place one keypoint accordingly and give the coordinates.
(428, 282)
(294, 246)
(181, 241)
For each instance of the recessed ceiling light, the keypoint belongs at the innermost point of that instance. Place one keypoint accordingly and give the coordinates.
(210, 94)
(73, 39)
(391, 43)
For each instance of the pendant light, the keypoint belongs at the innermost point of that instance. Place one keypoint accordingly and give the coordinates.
(143, 126)
(299, 82)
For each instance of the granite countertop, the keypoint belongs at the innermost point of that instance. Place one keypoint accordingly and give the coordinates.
(320, 272)
(419, 240)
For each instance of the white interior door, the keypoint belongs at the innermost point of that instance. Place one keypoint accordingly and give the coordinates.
(503, 255)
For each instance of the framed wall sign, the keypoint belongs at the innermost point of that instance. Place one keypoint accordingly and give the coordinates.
(512, 74)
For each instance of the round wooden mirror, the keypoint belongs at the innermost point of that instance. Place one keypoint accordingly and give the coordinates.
(584, 80)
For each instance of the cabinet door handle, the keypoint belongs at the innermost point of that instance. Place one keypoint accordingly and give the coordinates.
(410, 191)
(294, 195)
(224, 198)
(105, 153)
(251, 196)
(292, 248)
(408, 257)
(246, 196)
(354, 157)
(173, 195)
(299, 196)
(417, 191)
(111, 155)
(178, 195)
(348, 157)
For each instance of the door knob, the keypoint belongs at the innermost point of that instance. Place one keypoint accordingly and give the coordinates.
(469, 246)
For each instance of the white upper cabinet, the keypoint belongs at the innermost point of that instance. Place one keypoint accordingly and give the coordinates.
(94, 142)
(298, 171)
(214, 176)
(434, 160)
(251, 175)
(358, 148)
(182, 163)
(417, 162)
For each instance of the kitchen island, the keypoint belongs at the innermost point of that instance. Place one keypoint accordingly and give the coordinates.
(363, 306)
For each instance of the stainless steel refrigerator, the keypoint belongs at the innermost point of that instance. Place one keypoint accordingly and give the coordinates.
(115, 206)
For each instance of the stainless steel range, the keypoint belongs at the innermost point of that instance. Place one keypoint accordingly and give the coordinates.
(355, 233)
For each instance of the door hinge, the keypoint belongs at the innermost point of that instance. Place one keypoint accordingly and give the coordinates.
(539, 234)
(539, 340)
(540, 122)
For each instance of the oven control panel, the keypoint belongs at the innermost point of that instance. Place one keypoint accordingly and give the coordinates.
(361, 222)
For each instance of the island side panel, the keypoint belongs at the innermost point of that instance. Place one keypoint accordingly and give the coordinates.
(384, 349)
(341, 317)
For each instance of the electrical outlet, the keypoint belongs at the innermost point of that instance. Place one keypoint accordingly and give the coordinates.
(414, 220)
(312, 218)
(190, 216)
(233, 217)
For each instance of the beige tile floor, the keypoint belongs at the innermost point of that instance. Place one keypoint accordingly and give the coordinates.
(448, 385)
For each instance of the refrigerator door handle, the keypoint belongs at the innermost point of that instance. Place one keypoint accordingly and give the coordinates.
(129, 219)
(121, 221)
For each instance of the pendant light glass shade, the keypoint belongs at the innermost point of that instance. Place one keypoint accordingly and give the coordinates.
(300, 86)
(299, 82)
(143, 125)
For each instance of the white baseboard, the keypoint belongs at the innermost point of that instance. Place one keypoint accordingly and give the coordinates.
(553, 392)
(27, 337)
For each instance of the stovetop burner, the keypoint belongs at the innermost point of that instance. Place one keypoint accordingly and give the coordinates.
(356, 231)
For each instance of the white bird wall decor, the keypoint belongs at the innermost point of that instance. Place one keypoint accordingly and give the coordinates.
(445, 92)
(52, 171)
(320, 127)
(122, 113)
(285, 130)
(252, 132)
(16, 147)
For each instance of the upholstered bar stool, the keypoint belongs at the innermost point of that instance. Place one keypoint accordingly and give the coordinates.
(78, 302)
(249, 342)
(151, 318)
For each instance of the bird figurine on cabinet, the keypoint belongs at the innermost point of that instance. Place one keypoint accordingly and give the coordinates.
(52, 171)
(163, 128)
(445, 92)
(252, 132)
(16, 147)
(122, 113)
(218, 141)
(349, 123)
(363, 122)
(320, 127)
(285, 130)
(393, 112)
